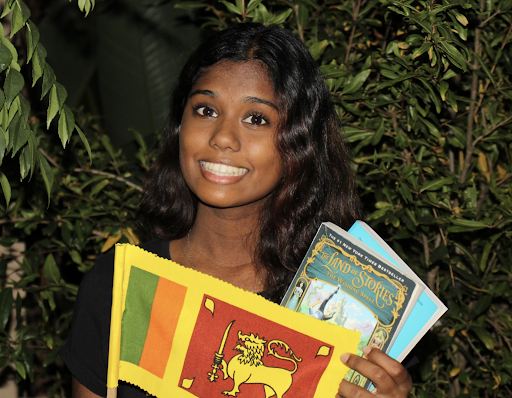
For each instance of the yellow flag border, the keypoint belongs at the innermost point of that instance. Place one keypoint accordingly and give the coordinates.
(198, 285)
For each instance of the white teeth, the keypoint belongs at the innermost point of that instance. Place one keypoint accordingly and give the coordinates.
(223, 170)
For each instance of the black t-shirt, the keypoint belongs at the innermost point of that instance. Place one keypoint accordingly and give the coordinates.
(86, 350)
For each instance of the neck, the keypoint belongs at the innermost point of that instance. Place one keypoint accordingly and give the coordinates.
(222, 244)
(226, 233)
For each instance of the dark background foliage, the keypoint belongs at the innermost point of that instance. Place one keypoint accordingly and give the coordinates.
(423, 91)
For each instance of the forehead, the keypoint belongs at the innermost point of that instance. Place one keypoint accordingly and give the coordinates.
(246, 78)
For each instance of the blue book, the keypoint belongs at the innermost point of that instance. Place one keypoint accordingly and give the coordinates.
(427, 310)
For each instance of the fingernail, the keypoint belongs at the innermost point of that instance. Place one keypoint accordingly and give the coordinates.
(366, 350)
(344, 358)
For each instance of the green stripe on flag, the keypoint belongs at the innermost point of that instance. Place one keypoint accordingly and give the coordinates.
(139, 300)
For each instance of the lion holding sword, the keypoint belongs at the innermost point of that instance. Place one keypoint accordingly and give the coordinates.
(248, 367)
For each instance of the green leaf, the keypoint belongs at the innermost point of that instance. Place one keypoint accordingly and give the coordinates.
(380, 132)
(13, 84)
(431, 128)
(318, 48)
(7, 8)
(50, 270)
(449, 74)
(53, 106)
(99, 187)
(47, 173)
(38, 63)
(436, 184)
(48, 80)
(5, 57)
(13, 51)
(423, 49)
(474, 225)
(3, 145)
(20, 133)
(32, 39)
(88, 6)
(303, 15)
(231, 7)
(389, 74)
(85, 142)
(6, 301)
(487, 251)
(443, 88)
(66, 125)
(20, 15)
(454, 55)
(280, 18)
(81, 4)
(252, 5)
(4, 122)
(450, 97)
(356, 83)
(433, 94)
(24, 107)
(25, 162)
(485, 69)
(108, 146)
(20, 368)
(485, 337)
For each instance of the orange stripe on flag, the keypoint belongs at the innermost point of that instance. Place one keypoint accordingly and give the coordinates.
(165, 313)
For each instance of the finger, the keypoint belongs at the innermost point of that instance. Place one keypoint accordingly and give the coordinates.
(347, 389)
(377, 374)
(393, 369)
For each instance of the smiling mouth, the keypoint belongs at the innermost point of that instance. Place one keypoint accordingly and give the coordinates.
(223, 170)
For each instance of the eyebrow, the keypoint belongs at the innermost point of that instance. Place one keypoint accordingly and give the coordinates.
(255, 100)
(204, 92)
(260, 101)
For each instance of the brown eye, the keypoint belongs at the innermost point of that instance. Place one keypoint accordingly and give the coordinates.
(206, 111)
(256, 120)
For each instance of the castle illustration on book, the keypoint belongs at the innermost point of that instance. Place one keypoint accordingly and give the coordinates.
(344, 282)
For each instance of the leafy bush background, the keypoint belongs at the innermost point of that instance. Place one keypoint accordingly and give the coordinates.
(424, 93)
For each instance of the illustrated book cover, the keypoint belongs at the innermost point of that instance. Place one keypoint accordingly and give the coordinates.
(427, 310)
(344, 282)
(176, 332)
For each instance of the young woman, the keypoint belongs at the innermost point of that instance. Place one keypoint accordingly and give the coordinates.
(252, 162)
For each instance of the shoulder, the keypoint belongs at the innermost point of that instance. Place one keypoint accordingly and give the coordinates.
(158, 246)
(103, 269)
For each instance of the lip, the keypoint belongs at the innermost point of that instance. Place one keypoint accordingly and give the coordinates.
(219, 172)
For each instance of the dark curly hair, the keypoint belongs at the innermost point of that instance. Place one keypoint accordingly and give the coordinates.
(317, 183)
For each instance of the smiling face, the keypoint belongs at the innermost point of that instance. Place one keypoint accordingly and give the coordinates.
(227, 151)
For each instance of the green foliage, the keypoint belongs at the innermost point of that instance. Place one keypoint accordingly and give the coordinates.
(424, 94)
(86, 5)
(17, 134)
(92, 207)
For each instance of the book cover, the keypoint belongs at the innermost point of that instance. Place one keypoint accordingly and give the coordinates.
(346, 283)
(428, 308)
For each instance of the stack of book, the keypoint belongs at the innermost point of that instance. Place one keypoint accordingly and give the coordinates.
(355, 280)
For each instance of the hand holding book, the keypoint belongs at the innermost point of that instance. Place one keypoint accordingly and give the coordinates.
(389, 377)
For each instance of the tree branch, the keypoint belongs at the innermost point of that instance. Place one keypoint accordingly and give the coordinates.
(110, 175)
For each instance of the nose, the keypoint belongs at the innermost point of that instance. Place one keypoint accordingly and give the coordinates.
(226, 135)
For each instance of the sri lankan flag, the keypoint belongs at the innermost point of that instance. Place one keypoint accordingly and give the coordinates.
(178, 333)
